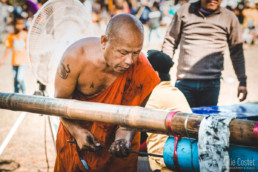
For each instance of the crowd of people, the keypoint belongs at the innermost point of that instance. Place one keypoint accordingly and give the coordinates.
(153, 13)
(156, 13)
(120, 74)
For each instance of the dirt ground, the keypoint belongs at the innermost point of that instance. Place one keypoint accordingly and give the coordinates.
(27, 146)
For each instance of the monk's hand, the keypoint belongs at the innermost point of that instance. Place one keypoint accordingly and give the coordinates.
(120, 148)
(86, 140)
(242, 93)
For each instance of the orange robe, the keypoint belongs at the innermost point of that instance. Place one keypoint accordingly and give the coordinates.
(130, 88)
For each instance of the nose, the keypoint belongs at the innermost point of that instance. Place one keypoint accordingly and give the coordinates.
(129, 59)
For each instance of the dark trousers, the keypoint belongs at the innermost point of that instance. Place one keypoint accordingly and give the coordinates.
(200, 92)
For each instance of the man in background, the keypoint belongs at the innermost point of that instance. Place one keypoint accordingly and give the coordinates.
(203, 29)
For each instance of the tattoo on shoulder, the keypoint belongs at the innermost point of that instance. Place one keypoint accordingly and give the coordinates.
(63, 71)
(92, 85)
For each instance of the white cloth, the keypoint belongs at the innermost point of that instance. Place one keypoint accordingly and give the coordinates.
(213, 144)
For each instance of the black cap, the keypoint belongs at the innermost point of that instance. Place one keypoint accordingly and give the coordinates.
(161, 63)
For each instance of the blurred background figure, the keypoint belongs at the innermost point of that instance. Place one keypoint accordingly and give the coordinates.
(155, 17)
(229, 4)
(168, 9)
(239, 11)
(96, 11)
(3, 17)
(143, 12)
(25, 9)
(119, 7)
(250, 23)
(16, 42)
(41, 2)
(177, 5)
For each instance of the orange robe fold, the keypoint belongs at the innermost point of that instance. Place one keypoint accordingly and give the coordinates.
(129, 88)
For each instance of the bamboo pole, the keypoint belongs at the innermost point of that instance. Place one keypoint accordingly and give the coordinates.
(128, 116)
(152, 120)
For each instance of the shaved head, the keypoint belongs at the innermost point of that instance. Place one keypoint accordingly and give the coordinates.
(124, 23)
(122, 43)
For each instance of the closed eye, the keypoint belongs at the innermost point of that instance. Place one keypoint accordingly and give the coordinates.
(136, 53)
(123, 52)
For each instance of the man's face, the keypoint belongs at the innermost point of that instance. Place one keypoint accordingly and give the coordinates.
(121, 53)
(210, 5)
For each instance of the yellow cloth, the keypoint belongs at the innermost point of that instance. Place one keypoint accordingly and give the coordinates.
(17, 42)
(165, 97)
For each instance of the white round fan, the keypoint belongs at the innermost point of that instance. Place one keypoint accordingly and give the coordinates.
(57, 25)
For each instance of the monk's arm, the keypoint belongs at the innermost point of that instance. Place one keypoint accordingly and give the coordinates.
(122, 145)
(65, 82)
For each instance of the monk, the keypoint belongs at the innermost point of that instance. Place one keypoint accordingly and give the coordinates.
(110, 69)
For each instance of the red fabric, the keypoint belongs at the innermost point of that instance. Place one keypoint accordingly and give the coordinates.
(169, 121)
(130, 88)
(255, 131)
(143, 147)
(177, 138)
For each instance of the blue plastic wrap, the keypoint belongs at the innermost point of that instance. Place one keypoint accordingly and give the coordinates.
(241, 111)
(241, 158)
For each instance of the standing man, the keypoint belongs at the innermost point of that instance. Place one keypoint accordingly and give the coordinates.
(203, 30)
(111, 70)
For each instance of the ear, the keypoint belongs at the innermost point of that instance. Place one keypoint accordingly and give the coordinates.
(103, 41)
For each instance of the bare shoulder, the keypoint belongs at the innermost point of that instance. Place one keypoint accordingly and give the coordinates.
(77, 57)
(81, 50)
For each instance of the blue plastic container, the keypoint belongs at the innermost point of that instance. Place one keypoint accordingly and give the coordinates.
(241, 158)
